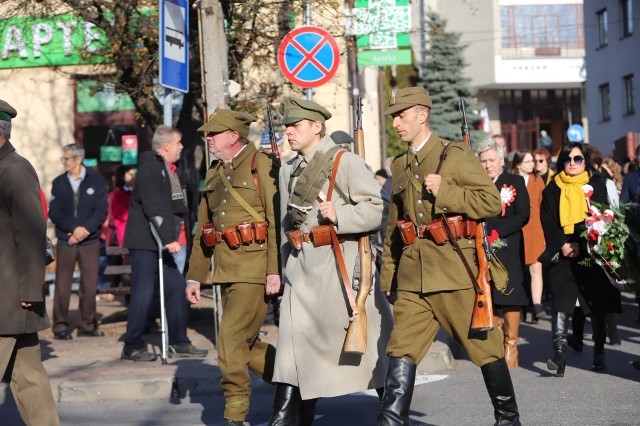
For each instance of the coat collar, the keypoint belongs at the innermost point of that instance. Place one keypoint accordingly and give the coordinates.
(433, 143)
(6, 149)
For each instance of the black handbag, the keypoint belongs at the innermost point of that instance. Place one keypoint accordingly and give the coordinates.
(50, 251)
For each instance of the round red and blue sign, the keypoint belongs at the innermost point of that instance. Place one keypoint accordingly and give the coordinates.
(308, 57)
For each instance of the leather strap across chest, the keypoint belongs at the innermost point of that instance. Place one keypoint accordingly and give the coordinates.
(237, 196)
(336, 243)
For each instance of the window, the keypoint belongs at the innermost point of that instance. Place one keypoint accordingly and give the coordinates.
(629, 94)
(605, 102)
(626, 16)
(603, 30)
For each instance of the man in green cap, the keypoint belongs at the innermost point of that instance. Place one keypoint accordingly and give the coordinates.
(237, 223)
(428, 282)
(317, 301)
(22, 308)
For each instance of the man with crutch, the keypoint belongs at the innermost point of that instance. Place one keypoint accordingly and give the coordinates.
(157, 194)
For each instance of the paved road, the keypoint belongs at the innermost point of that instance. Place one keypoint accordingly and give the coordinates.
(582, 397)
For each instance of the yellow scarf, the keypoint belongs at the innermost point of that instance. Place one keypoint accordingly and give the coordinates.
(573, 205)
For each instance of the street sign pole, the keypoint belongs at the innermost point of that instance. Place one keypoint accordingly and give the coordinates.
(174, 51)
(308, 22)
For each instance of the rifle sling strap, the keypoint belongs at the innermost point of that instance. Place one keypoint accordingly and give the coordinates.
(452, 238)
(344, 276)
(237, 196)
(457, 249)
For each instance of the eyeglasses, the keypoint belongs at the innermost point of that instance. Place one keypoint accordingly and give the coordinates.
(578, 159)
(65, 159)
(541, 161)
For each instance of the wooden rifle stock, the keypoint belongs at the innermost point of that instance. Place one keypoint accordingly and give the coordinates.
(482, 317)
(272, 134)
(356, 339)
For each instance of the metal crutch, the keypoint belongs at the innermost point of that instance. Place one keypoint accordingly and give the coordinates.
(154, 224)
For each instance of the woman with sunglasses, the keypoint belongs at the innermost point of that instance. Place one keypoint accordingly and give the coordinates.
(542, 158)
(564, 210)
(523, 165)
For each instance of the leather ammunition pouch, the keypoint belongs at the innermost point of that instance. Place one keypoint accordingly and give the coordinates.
(210, 236)
(407, 231)
(235, 236)
(319, 236)
(461, 228)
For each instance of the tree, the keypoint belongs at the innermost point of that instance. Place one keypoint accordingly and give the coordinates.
(443, 76)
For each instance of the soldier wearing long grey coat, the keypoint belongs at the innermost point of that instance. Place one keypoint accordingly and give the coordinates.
(313, 312)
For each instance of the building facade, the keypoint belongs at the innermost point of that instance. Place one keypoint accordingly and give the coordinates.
(526, 62)
(612, 44)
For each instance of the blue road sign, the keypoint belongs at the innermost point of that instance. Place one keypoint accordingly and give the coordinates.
(309, 57)
(174, 44)
(575, 133)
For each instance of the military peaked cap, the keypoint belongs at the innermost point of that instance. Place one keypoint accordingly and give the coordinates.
(7, 112)
(225, 119)
(294, 110)
(407, 97)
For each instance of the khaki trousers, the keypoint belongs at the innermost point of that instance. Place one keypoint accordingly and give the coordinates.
(239, 347)
(417, 317)
(20, 356)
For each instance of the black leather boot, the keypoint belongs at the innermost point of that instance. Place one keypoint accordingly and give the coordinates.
(577, 326)
(398, 391)
(498, 381)
(307, 412)
(285, 405)
(599, 327)
(559, 330)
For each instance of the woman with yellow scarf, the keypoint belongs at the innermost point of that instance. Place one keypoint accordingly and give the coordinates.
(564, 209)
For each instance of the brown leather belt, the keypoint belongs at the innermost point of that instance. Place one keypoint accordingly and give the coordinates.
(435, 231)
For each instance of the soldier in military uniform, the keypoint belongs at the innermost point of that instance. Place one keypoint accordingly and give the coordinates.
(314, 313)
(238, 215)
(428, 282)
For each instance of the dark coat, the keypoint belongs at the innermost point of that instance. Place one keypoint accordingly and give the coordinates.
(509, 227)
(22, 246)
(568, 280)
(152, 197)
(91, 210)
(631, 187)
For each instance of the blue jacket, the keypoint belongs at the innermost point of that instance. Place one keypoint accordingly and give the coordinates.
(91, 211)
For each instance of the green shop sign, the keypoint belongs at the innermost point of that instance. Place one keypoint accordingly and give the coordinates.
(50, 41)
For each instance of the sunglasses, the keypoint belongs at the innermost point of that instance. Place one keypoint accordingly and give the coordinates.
(541, 161)
(578, 159)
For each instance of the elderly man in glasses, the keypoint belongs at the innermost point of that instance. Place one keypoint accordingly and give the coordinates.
(78, 208)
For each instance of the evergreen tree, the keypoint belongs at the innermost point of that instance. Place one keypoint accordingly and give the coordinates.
(443, 76)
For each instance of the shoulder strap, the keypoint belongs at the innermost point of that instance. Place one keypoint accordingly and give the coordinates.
(238, 198)
(336, 244)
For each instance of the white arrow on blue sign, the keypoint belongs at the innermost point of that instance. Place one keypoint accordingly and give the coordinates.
(174, 44)
(575, 133)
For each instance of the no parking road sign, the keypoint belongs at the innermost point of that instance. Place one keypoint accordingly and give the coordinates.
(308, 57)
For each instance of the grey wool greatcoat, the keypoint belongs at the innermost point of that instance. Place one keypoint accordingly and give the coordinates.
(313, 312)
(22, 246)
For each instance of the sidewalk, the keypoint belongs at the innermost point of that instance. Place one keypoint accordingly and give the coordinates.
(90, 369)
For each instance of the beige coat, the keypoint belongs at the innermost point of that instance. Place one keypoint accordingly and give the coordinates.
(313, 312)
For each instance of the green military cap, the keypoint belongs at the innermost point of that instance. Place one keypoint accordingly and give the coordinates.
(294, 110)
(7, 112)
(224, 119)
(407, 97)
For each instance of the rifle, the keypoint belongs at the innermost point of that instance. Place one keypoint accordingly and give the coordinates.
(356, 340)
(482, 317)
(272, 134)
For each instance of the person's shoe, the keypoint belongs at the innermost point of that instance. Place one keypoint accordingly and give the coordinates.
(576, 344)
(187, 350)
(229, 422)
(138, 355)
(63, 335)
(539, 312)
(636, 365)
(91, 333)
(599, 363)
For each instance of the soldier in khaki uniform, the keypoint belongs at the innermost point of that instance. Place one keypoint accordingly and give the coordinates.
(237, 207)
(428, 282)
